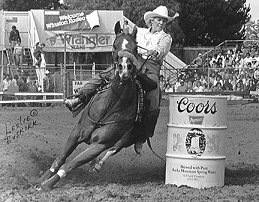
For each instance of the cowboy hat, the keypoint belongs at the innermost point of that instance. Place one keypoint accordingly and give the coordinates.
(160, 11)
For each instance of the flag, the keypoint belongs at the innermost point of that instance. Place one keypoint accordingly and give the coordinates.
(93, 19)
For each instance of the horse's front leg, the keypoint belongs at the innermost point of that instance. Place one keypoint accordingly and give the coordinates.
(76, 137)
(84, 157)
(102, 139)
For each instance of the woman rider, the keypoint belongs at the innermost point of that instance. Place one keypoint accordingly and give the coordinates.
(154, 44)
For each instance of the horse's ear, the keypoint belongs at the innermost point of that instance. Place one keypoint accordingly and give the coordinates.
(117, 28)
(134, 31)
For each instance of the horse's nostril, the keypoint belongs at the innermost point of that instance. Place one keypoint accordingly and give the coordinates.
(130, 66)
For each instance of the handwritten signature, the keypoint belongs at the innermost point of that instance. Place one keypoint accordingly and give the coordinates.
(23, 124)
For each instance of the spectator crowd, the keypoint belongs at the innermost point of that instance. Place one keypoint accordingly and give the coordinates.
(231, 70)
(25, 84)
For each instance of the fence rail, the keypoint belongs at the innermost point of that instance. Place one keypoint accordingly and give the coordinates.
(20, 97)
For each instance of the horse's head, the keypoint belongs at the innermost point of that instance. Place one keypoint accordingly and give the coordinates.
(125, 52)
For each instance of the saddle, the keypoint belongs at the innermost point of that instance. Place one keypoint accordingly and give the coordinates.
(144, 85)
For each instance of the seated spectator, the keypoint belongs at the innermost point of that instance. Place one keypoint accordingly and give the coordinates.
(212, 78)
(189, 86)
(203, 79)
(182, 87)
(227, 86)
(217, 87)
(206, 87)
(247, 58)
(217, 80)
(250, 73)
(198, 61)
(228, 63)
(214, 59)
(251, 85)
(6, 82)
(162, 83)
(242, 78)
(248, 65)
(220, 64)
(239, 62)
(256, 75)
(169, 88)
(240, 86)
(198, 87)
(221, 56)
(177, 84)
(14, 81)
(196, 77)
(254, 63)
(234, 81)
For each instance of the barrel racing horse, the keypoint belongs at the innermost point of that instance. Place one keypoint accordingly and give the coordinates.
(109, 118)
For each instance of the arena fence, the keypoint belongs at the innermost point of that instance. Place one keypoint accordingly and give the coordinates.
(28, 97)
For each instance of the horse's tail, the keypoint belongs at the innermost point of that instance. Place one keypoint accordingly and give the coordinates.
(150, 146)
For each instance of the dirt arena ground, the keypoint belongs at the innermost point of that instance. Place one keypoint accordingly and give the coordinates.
(127, 176)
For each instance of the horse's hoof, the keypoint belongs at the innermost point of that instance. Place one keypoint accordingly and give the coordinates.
(97, 167)
(48, 174)
(48, 184)
(93, 170)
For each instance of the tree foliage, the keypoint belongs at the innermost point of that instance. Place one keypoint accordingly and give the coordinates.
(134, 10)
(211, 22)
(201, 22)
(26, 5)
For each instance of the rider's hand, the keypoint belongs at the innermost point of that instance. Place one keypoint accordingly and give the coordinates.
(152, 53)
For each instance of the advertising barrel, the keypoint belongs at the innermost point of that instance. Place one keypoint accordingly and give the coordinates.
(195, 143)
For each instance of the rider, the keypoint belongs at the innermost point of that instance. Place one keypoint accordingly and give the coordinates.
(153, 44)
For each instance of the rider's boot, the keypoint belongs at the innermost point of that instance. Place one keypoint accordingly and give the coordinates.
(149, 121)
(138, 147)
(72, 103)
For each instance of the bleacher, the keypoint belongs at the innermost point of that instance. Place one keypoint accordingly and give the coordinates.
(231, 67)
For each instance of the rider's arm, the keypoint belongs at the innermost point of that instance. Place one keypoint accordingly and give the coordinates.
(163, 46)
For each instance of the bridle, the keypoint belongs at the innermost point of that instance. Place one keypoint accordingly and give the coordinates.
(99, 123)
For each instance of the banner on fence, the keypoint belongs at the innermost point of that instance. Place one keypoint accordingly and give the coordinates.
(77, 85)
(71, 20)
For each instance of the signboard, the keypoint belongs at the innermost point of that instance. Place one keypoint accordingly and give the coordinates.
(82, 41)
(71, 20)
(77, 85)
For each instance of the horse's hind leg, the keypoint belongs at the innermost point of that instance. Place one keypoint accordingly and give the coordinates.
(125, 141)
(98, 165)
(86, 156)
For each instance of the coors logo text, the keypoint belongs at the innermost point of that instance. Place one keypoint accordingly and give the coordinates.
(185, 105)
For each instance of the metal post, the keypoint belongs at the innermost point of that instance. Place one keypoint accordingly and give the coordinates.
(74, 70)
(93, 69)
(65, 61)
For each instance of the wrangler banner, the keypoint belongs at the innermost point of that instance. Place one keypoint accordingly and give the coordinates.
(95, 42)
(71, 20)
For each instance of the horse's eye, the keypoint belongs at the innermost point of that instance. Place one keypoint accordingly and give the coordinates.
(130, 66)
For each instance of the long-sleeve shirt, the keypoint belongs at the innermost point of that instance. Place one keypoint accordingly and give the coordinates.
(159, 41)
(14, 36)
